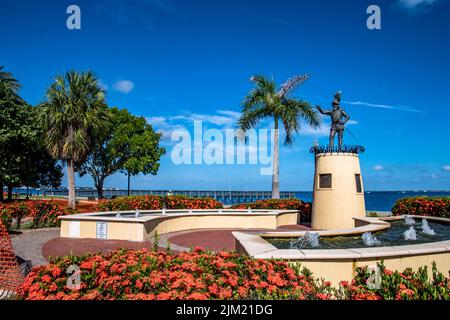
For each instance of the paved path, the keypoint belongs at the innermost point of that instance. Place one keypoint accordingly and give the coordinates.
(39, 245)
(28, 244)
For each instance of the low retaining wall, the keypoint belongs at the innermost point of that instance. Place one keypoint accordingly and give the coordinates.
(140, 229)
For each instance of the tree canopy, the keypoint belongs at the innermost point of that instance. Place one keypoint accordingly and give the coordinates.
(126, 144)
(23, 158)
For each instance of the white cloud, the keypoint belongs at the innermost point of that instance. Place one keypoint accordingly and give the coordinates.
(383, 106)
(124, 86)
(434, 176)
(446, 168)
(378, 167)
(412, 4)
(223, 118)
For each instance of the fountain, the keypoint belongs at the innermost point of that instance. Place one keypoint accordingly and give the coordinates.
(409, 221)
(118, 215)
(249, 210)
(190, 211)
(137, 214)
(410, 234)
(426, 228)
(308, 240)
(369, 239)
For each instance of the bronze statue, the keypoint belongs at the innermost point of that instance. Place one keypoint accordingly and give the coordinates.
(338, 120)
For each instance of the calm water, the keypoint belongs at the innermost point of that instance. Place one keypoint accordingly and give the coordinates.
(383, 200)
(390, 237)
(376, 200)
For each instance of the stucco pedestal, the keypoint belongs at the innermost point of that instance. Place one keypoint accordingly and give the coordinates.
(338, 195)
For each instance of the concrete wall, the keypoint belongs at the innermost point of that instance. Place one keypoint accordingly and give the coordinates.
(335, 207)
(141, 231)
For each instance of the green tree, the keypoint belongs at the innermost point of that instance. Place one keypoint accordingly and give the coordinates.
(128, 144)
(266, 101)
(14, 132)
(73, 113)
(23, 158)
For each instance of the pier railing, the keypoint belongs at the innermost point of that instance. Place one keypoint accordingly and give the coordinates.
(226, 197)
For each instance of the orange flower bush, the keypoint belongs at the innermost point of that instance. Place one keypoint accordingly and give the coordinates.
(201, 275)
(152, 202)
(424, 206)
(46, 213)
(43, 213)
(280, 204)
(406, 285)
(147, 275)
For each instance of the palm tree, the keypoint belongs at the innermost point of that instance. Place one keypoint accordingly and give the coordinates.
(73, 112)
(266, 101)
(7, 78)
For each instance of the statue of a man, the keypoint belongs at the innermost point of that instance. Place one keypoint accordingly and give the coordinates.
(338, 120)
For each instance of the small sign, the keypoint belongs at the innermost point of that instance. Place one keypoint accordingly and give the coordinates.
(102, 230)
(324, 181)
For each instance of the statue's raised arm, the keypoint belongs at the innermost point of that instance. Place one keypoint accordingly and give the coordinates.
(323, 111)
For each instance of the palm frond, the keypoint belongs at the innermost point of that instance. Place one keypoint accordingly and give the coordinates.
(9, 80)
(291, 84)
(74, 110)
(292, 112)
(250, 120)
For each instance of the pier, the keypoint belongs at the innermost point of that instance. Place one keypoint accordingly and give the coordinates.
(225, 197)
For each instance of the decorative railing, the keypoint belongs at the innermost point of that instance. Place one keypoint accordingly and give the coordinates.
(335, 149)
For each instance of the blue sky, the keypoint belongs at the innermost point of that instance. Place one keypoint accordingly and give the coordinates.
(174, 61)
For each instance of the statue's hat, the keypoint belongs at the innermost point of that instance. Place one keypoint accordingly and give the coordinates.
(337, 98)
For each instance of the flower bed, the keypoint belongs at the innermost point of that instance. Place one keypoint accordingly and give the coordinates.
(426, 206)
(200, 275)
(152, 202)
(280, 204)
(407, 285)
(43, 213)
(144, 274)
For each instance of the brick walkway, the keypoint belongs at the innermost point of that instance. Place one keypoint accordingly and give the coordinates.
(214, 240)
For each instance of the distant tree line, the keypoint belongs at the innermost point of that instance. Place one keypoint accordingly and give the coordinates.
(72, 127)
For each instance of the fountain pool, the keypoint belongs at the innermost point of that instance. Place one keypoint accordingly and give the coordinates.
(393, 236)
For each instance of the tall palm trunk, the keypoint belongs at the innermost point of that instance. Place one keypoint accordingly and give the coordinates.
(71, 182)
(276, 169)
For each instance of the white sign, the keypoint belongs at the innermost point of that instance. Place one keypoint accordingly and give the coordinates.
(102, 230)
(74, 229)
